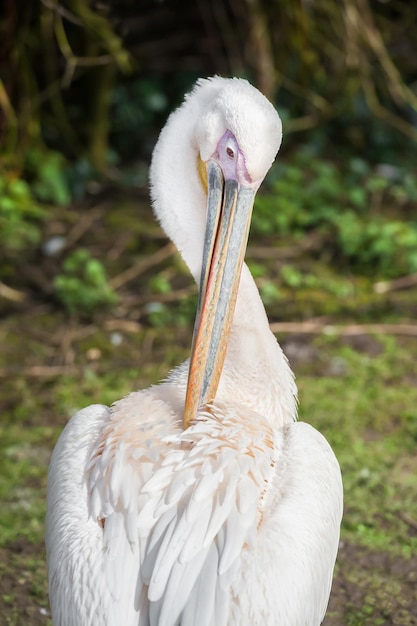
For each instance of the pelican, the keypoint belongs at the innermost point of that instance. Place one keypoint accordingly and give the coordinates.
(200, 501)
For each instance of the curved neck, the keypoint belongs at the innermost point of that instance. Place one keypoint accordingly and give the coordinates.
(256, 373)
(178, 197)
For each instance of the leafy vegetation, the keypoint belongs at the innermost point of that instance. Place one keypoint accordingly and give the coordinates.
(79, 105)
(356, 209)
(83, 286)
(20, 215)
(47, 171)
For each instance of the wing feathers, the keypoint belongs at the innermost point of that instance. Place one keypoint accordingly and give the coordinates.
(185, 508)
(199, 607)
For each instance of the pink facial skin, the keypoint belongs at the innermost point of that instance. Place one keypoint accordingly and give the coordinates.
(232, 161)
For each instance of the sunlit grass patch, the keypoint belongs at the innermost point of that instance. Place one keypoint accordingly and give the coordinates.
(369, 416)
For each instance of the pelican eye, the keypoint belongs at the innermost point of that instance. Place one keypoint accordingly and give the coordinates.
(230, 152)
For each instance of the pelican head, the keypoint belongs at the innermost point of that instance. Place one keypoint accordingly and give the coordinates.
(230, 134)
(238, 119)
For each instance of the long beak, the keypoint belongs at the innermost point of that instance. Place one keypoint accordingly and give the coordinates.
(229, 211)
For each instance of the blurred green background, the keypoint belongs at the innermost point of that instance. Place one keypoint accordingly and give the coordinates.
(94, 301)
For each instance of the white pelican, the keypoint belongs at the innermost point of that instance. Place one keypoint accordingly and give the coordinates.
(200, 501)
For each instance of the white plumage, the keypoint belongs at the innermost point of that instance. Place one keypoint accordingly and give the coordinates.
(234, 519)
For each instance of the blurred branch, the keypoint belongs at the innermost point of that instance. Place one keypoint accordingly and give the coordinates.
(128, 326)
(312, 97)
(56, 99)
(60, 10)
(72, 60)
(313, 241)
(142, 266)
(82, 225)
(395, 84)
(361, 29)
(382, 112)
(6, 105)
(11, 294)
(176, 295)
(102, 81)
(11, 121)
(40, 371)
(262, 55)
(397, 283)
(101, 28)
(326, 328)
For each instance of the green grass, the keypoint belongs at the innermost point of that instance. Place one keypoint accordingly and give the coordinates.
(364, 404)
(369, 415)
(24, 454)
